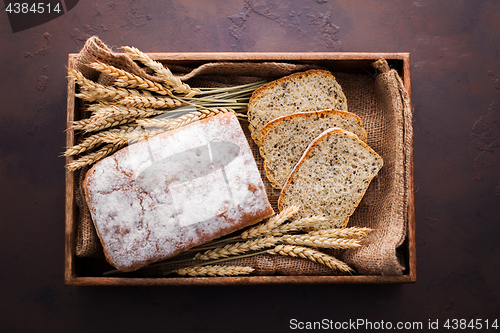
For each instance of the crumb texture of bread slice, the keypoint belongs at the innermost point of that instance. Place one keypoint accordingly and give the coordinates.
(331, 177)
(285, 139)
(311, 90)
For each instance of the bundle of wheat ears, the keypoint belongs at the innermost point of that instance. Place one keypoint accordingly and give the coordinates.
(279, 235)
(135, 108)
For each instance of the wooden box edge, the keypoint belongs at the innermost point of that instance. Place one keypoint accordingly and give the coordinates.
(70, 277)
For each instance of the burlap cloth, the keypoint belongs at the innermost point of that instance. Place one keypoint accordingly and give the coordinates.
(382, 103)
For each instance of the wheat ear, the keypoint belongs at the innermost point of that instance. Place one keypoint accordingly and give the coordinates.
(238, 248)
(322, 242)
(121, 139)
(197, 115)
(271, 224)
(106, 116)
(93, 157)
(161, 71)
(215, 270)
(306, 223)
(173, 123)
(125, 79)
(98, 124)
(352, 232)
(92, 91)
(151, 102)
(103, 110)
(155, 122)
(313, 255)
(96, 140)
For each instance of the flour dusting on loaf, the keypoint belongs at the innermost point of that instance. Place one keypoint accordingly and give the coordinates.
(157, 198)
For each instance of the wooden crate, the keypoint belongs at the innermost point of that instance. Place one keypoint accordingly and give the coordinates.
(336, 62)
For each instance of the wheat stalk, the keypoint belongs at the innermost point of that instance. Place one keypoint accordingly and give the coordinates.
(161, 71)
(313, 255)
(352, 232)
(154, 122)
(238, 248)
(122, 139)
(125, 79)
(271, 224)
(321, 241)
(151, 102)
(305, 223)
(214, 270)
(100, 95)
(197, 115)
(108, 115)
(93, 125)
(80, 124)
(93, 157)
(96, 140)
(105, 110)
(92, 91)
(173, 123)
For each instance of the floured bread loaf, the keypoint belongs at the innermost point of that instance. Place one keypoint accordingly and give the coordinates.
(331, 177)
(159, 197)
(311, 90)
(284, 139)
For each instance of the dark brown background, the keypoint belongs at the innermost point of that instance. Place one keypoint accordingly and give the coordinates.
(455, 68)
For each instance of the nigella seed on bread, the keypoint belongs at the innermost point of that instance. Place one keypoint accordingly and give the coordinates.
(311, 90)
(331, 177)
(284, 139)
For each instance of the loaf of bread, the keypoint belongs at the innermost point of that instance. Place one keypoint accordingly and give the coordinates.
(284, 139)
(311, 90)
(162, 196)
(331, 177)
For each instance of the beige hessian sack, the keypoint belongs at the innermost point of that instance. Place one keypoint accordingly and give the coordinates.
(382, 104)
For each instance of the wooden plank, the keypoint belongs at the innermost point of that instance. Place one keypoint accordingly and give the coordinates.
(411, 182)
(69, 244)
(407, 74)
(238, 280)
(285, 56)
(412, 246)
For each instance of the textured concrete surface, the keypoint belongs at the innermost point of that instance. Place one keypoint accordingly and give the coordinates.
(455, 68)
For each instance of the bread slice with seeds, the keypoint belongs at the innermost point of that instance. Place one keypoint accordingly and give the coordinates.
(311, 90)
(284, 139)
(331, 177)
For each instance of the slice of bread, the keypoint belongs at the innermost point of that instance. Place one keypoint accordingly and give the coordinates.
(331, 177)
(284, 139)
(311, 90)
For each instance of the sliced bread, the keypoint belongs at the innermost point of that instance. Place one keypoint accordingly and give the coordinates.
(284, 139)
(331, 177)
(311, 90)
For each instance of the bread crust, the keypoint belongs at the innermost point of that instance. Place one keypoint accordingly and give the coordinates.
(341, 113)
(255, 123)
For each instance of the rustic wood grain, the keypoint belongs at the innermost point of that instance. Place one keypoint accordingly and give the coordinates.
(70, 204)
